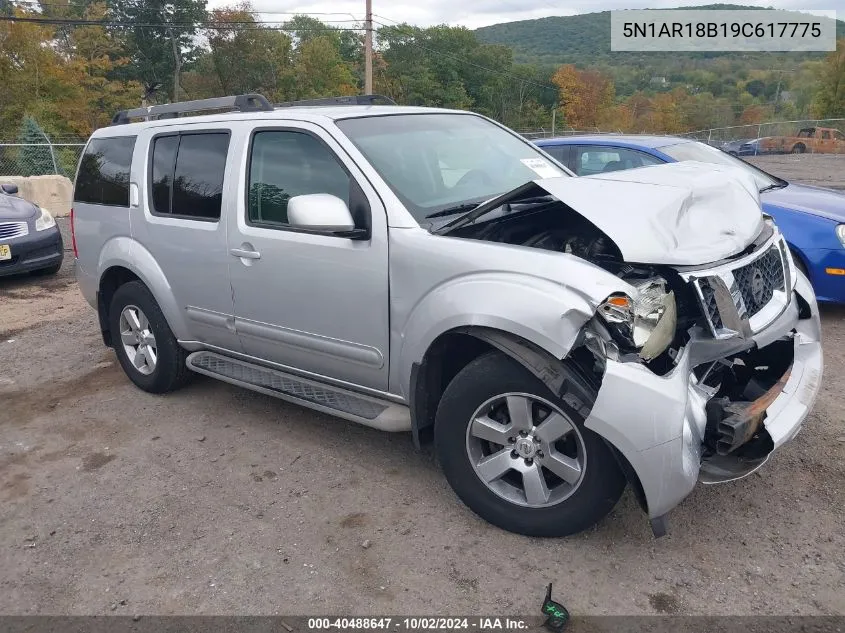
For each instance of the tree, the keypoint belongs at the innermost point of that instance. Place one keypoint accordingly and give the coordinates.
(243, 57)
(320, 71)
(35, 158)
(584, 95)
(161, 40)
(829, 100)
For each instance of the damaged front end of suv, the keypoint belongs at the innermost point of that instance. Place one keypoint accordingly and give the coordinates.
(707, 358)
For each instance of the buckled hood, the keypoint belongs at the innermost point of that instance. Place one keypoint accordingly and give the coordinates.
(682, 214)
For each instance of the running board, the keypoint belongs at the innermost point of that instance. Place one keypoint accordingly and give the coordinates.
(366, 410)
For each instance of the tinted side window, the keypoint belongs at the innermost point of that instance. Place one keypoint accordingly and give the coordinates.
(559, 152)
(198, 178)
(103, 176)
(187, 174)
(825, 134)
(284, 164)
(164, 159)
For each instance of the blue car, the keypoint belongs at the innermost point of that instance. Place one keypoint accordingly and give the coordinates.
(811, 218)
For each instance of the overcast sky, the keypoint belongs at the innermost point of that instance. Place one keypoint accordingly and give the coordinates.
(475, 13)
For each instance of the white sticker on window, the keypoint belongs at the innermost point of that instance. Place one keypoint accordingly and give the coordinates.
(541, 167)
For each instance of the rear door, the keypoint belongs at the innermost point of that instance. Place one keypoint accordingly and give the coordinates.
(182, 223)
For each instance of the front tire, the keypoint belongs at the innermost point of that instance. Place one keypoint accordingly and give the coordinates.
(144, 343)
(519, 456)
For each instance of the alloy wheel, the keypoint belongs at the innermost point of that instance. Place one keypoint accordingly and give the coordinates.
(526, 450)
(138, 339)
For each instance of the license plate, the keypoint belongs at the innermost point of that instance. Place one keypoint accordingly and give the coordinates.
(5, 252)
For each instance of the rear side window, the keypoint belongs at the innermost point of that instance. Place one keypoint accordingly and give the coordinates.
(103, 176)
(187, 174)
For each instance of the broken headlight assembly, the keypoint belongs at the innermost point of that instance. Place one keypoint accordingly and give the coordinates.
(644, 324)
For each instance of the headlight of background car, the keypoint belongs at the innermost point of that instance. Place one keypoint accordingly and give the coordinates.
(646, 323)
(840, 233)
(45, 220)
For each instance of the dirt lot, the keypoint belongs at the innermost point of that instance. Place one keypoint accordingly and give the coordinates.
(822, 170)
(217, 500)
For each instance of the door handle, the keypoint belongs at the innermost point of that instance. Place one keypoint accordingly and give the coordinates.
(244, 254)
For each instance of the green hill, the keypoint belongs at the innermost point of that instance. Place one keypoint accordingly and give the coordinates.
(585, 40)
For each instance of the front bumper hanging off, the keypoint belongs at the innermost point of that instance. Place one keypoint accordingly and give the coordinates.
(658, 423)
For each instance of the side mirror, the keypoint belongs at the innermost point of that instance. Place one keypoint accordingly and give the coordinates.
(323, 213)
(9, 189)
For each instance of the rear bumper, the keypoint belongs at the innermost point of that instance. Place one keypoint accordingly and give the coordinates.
(37, 250)
(658, 423)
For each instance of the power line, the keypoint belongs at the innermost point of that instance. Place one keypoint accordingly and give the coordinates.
(37, 3)
(464, 61)
(219, 26)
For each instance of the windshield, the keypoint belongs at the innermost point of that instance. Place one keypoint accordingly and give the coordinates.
(706, 154)
(437, 162)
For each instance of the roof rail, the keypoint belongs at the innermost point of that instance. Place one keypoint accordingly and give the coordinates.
(329, 101)
(241, 103)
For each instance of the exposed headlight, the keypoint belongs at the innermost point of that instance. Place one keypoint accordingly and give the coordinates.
(645, 323)
(44, 221)
(840, 233)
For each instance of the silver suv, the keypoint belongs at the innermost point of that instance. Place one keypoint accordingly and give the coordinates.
(428, 270)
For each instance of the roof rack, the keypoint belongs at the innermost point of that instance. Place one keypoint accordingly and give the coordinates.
(241, 103)
(329, 101)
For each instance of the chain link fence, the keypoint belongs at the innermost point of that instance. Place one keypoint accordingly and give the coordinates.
(540, 132)
(808, 136)
(39, 159)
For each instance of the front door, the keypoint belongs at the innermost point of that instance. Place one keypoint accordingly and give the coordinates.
(316, 303)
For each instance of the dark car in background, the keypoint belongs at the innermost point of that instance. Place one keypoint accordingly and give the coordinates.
(742, 147)
(811, 218)
(30, 241)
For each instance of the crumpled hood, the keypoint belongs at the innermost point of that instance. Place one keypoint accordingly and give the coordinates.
(16, 209)
(683, 214)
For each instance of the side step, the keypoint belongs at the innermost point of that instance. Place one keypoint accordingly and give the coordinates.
(366, 410)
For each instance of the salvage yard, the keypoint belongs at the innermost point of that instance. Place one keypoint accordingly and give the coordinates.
(218, 500)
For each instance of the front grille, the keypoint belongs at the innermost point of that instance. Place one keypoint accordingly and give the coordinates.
(758, 280)
(9, 230)
(748, 290)
(710, 306)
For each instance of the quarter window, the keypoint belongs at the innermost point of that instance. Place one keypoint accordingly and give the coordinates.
(187, 174)
(284, 164)
(103, 176)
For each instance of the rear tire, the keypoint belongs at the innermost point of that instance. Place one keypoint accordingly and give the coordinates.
(579, 479)
(144, 343)
(799, 149)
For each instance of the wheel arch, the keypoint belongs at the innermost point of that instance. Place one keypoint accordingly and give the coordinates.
(123, 260)
(454, 349)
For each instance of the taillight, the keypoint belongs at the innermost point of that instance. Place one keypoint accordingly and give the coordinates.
(73, 236)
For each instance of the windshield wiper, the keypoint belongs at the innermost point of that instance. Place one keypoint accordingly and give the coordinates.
(461, 208)
(777, 185)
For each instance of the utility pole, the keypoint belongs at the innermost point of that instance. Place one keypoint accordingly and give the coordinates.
(368, 49)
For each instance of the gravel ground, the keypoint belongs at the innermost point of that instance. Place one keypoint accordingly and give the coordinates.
(217, 500)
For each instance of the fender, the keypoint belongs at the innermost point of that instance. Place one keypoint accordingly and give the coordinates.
(125, 252)
(547, 314)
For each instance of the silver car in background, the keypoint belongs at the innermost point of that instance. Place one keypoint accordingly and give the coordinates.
(430, 271)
